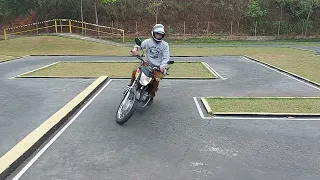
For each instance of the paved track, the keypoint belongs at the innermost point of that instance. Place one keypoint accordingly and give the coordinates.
(170, 140)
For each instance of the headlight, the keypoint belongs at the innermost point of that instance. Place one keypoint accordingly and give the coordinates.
(144, 80)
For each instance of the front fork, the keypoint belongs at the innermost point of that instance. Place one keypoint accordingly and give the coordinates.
(133, 88)
(137, 91)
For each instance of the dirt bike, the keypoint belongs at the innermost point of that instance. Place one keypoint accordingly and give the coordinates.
(137, 94)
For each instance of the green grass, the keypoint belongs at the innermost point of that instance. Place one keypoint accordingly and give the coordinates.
(264, 105)
(300, 62)
(5, 58)
(44, 45)
(117, 70)
(303, 63)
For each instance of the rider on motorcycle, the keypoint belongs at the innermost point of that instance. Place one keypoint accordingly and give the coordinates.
(157, 53)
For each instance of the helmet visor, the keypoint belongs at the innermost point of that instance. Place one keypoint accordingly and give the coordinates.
(158, 29)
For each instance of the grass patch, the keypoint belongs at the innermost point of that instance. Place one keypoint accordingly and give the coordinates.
(52, 45)
(5, 58)
(302, 63)
(265, 105)
(117, 70)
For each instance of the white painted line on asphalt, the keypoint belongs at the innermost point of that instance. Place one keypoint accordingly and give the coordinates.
(39, 68)
(285, 74)
(212, 70)
(35, 158)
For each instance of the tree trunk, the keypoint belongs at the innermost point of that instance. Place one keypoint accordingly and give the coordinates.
(184, 28)
(238, 27)
(197, 28)
(97, 20)
(157, 11)
(307, 23)
(302, 27)
(82, 16)
(280, 21)
(136, 27)
(231, 28)
(255, 28)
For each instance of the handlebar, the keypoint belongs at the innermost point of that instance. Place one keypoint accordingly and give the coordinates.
(154, 68)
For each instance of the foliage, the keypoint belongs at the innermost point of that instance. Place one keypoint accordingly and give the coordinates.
(203, 16)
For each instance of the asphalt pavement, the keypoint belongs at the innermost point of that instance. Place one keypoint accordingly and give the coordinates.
(169, 140)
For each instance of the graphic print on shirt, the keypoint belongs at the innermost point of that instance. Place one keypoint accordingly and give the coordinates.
(154, 52)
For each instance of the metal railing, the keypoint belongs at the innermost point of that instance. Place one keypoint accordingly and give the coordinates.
(64, 26)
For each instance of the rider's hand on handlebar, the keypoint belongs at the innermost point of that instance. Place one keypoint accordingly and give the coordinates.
(134, 51)
(162, 69)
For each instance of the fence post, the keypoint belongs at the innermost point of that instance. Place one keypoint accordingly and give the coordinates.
(55, 26)
(70, 26)
(5, 34)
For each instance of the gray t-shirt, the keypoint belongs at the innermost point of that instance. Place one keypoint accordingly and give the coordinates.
(157, 54)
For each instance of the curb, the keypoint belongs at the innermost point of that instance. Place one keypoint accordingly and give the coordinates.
(287, 97)
(259, 114)
(282, 70)
(212, 71)
(13, 59)
(206, 105)
(274, 115)
(21, 151)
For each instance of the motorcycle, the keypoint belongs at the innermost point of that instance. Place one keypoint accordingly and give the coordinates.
(137, 94)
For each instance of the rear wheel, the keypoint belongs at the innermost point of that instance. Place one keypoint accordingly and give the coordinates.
(126, 108)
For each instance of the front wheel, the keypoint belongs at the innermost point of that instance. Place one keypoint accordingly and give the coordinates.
(126, 108)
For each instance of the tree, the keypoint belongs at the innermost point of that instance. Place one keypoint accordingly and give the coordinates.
(9, 9)
(153, 8)
(308, 7)
(255, 12)
(281, 3)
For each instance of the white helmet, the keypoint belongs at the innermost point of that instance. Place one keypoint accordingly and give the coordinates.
(158, 28)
